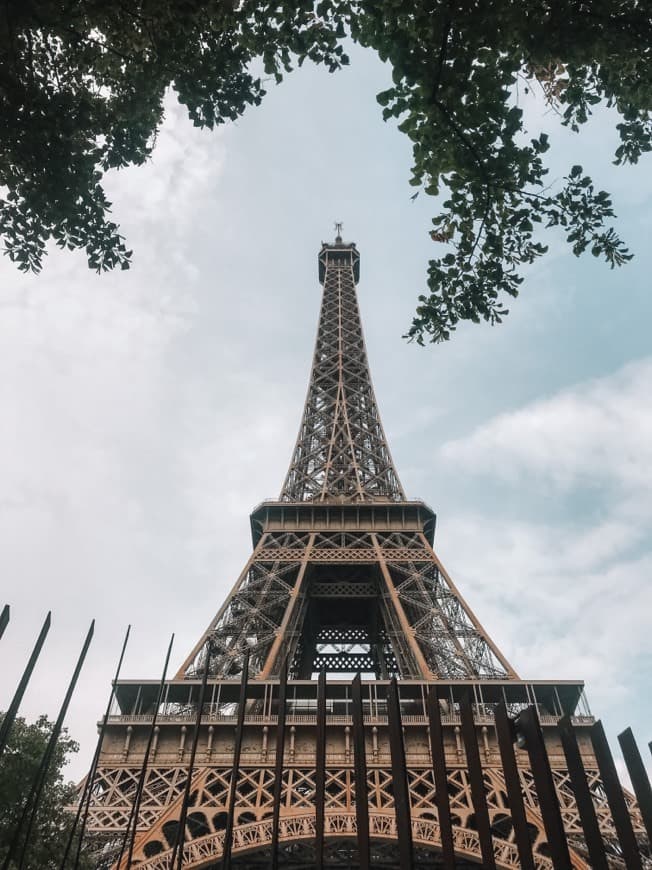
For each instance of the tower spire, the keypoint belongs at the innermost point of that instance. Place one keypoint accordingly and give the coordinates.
(341, 453)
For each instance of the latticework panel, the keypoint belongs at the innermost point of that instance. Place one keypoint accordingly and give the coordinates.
(341, 451)
(423, 628)
(418, 626)
(114, 790)
(452, 639)
(207, 813)
(250, 620)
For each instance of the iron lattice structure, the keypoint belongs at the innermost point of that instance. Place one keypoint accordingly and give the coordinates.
(341, 451)
(343, 561)
(294, 763)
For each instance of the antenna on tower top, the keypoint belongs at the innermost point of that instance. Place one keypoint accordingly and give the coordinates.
(338, 230)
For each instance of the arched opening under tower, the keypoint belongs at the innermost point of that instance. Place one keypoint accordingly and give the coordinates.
(252, 844)
(342, 854)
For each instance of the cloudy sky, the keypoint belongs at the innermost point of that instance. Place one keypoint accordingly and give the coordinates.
(146, 413)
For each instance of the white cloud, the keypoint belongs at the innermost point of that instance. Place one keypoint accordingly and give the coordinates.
(566, 597)
(597, 433)
(162, 196)
(86, 385)
(557, 608)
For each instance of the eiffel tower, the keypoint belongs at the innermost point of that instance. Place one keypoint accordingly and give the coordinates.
(345, 706)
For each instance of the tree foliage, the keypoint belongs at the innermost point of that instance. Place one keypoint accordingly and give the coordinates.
(82, 86)
(18, 767)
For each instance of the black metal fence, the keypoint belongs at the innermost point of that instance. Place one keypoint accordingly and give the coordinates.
(523, 730)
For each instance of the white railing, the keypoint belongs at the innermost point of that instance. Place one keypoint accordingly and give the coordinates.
(311, 719)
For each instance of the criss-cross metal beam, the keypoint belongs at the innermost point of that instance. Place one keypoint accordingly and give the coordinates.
(421, 626)
(343, 580)
(341, 450)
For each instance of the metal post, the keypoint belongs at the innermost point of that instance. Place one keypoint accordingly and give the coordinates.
(476, 779)
(615, 798)
(135, 806)
(181, 831)
(360, 775)
(399, 778)
(31, 804)
(505, 735)
(85, 798)
(278, 768)
(639, 777)
(583, 799)
(237, 751)
(442, 798)
(528, 723)
(10, 715)
(320, 771)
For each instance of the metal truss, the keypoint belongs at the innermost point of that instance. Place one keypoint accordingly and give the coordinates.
(341, 451)
(410, 619)
(342, 579)
(254, 801)
(379, 603)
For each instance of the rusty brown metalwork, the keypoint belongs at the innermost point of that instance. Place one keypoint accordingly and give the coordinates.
(391, 768)
(341, 451)
(364, 572)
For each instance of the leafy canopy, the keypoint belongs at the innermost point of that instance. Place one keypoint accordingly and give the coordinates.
(82, 86)
(18, 767)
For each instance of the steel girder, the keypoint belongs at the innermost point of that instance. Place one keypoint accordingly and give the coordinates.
(341, 451)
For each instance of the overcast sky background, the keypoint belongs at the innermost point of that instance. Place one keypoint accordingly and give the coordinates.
(146, 413)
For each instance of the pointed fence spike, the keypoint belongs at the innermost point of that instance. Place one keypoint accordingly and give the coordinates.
(10, 715)
(615, 798)
(85, 798)
(638, 776)
(4, 619)
(31, 805)
(129, 836)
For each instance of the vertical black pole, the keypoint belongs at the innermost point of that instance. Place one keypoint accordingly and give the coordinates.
(135, 806)
(181, 830)
(85, 798)
(4, 619)
(638, 775)
(505, 734)
(233, 783)
(320, 771)
(360, 775)
(10, 715)
(399, 778)
(528, 723)
(478, 795)
(278, 767)
(615, 798)
(442, 799)
(32, 802)
(583, 799)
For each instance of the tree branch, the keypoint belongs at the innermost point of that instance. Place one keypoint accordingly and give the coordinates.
(461, 135)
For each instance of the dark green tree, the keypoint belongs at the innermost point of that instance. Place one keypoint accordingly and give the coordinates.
(18, 767)
(82, 86)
